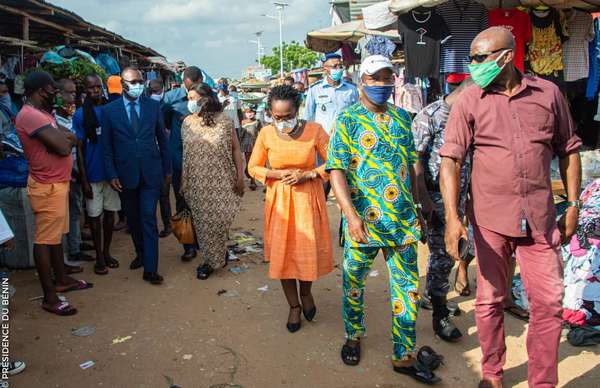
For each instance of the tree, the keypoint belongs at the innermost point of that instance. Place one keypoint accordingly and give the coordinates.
(295, 56)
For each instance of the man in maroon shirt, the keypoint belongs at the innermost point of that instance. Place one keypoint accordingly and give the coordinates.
(515, 124)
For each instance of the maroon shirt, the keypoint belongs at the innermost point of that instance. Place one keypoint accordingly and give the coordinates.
(513, 140)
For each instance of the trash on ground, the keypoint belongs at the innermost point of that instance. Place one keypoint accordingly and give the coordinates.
(119, 340)
(232, 257)
(84, 331)
(87, 364)
(264, 288)
(230, 294)
(239, 269)
(187, 356)
(374, 273)
(221, 292)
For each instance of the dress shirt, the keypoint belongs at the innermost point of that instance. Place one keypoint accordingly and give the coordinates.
(324, 102)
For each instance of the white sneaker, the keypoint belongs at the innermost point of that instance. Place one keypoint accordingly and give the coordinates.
(16, 367)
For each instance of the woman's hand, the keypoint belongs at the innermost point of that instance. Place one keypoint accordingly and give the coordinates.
(295, 177)
(239, 186)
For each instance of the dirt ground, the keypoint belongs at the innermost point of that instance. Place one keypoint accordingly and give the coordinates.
(183, 333)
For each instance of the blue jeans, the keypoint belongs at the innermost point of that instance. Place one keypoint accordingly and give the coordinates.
(75, 207)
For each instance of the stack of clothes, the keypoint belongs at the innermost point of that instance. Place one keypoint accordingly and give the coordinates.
(582, 270)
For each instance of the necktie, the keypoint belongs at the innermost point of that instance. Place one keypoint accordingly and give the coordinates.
(133, 117)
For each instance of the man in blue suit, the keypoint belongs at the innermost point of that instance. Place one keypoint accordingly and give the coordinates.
(137, 162)
(175, 106)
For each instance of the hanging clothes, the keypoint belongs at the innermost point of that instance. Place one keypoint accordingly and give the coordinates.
(517, 22)
(380, 45)
(575, 50)
(423, 31)
(465, 19)
(545, 50)
(594, 55)
(108, 63)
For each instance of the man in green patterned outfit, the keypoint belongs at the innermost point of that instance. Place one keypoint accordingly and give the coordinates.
(371, 157)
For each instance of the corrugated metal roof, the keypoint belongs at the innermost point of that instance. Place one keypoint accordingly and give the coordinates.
(356, 7)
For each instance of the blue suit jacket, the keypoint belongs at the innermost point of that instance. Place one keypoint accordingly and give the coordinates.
(129, 156)
(175, 110)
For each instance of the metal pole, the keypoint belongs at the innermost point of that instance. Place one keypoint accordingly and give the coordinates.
(280, 9)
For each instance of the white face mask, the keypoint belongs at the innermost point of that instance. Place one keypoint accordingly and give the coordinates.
(157, 97)
(288, 124)
(192, 106)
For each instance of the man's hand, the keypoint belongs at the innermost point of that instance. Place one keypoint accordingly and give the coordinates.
(168, 180)
(87, 190)
(455, 230)
(116, 185)
(357, 229)
(427, 207)
(9, 245)
(567, 224)
(424, 226)
(72, 138)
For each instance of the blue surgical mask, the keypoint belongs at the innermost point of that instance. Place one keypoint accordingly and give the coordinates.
(378, 95)
(157, 97)
(192, 106)
(134, 90)
(336, 74)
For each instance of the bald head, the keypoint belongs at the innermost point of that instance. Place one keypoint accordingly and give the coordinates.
(493, 39)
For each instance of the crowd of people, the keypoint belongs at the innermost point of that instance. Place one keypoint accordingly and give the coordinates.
(397, 181)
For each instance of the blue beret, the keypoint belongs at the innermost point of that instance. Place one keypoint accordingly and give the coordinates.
(329, 56)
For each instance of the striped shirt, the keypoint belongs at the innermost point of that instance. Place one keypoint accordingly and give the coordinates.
(465, 19)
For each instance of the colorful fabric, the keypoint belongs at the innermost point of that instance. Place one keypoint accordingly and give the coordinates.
(380, 45)
(296, 231)
(575, 50)
(545, 50)
(401, 262)
(594, 55)
(377, 151)
(44, 166)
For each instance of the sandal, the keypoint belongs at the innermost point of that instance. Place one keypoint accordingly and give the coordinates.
(63, 309)
(100, 269)
(463, 289)
(518, 313)
(419, 373)
(351, 354)
(73, 269)
(80, 285)
(429, 358)
(111, 262)
(204, 271)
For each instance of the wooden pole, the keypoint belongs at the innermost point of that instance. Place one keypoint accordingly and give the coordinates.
(25, 28)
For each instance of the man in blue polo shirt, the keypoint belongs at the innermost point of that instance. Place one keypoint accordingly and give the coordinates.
(327, 98)
(175, 110)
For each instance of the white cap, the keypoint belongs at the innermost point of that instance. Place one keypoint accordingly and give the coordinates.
(378, 15)
(374, 63)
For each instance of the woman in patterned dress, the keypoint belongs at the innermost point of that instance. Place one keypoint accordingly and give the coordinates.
(296, 233)
(212, 176)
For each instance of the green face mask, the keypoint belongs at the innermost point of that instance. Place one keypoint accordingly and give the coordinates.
(485, 73)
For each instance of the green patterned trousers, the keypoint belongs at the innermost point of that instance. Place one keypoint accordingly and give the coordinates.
(404, 283)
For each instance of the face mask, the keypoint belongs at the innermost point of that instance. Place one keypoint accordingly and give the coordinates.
(134, 90)
(336, 74)
(157, 97)
(249, 115)
(378, 95)
(485, 73)
(192, 106)
(286, 124)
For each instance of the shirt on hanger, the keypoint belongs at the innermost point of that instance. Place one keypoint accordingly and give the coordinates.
(545, 49)
(575, 50)
(422, 34)
(519, 24)
(465, 19)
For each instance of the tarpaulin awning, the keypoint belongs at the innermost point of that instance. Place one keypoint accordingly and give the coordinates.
(328, 39)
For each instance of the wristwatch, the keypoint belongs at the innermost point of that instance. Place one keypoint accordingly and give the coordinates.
(575, 204)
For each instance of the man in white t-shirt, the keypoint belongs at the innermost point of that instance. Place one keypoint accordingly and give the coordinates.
(232, 106)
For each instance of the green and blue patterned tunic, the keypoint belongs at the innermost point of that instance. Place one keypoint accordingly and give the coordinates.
(376, 151)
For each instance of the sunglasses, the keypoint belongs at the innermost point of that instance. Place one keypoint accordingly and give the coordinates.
(482, 57)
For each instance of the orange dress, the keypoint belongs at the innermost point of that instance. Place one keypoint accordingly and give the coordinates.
(296, 235)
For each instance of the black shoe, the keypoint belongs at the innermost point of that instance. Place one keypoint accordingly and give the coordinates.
(165, 232)
(86, 247)
(294, 327)
(136, 263)
(204, 271)
(153, 278)
(189, 255)
(419, 373)
(446, 330)
(310, 314)
(425, 302)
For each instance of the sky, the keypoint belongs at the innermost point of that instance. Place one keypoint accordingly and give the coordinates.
(211, 34)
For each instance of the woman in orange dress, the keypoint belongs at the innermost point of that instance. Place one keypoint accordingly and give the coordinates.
(297, 240)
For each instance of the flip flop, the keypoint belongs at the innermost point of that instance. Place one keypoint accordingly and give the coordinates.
(63, 309)
(351, 354)
(518, 313)
(80, 285)
(100, 269)
(111, 262)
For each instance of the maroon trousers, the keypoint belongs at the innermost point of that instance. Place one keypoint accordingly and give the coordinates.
(541, 270)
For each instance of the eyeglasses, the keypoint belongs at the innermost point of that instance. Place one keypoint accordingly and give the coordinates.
(482, 57)
(135, 82)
